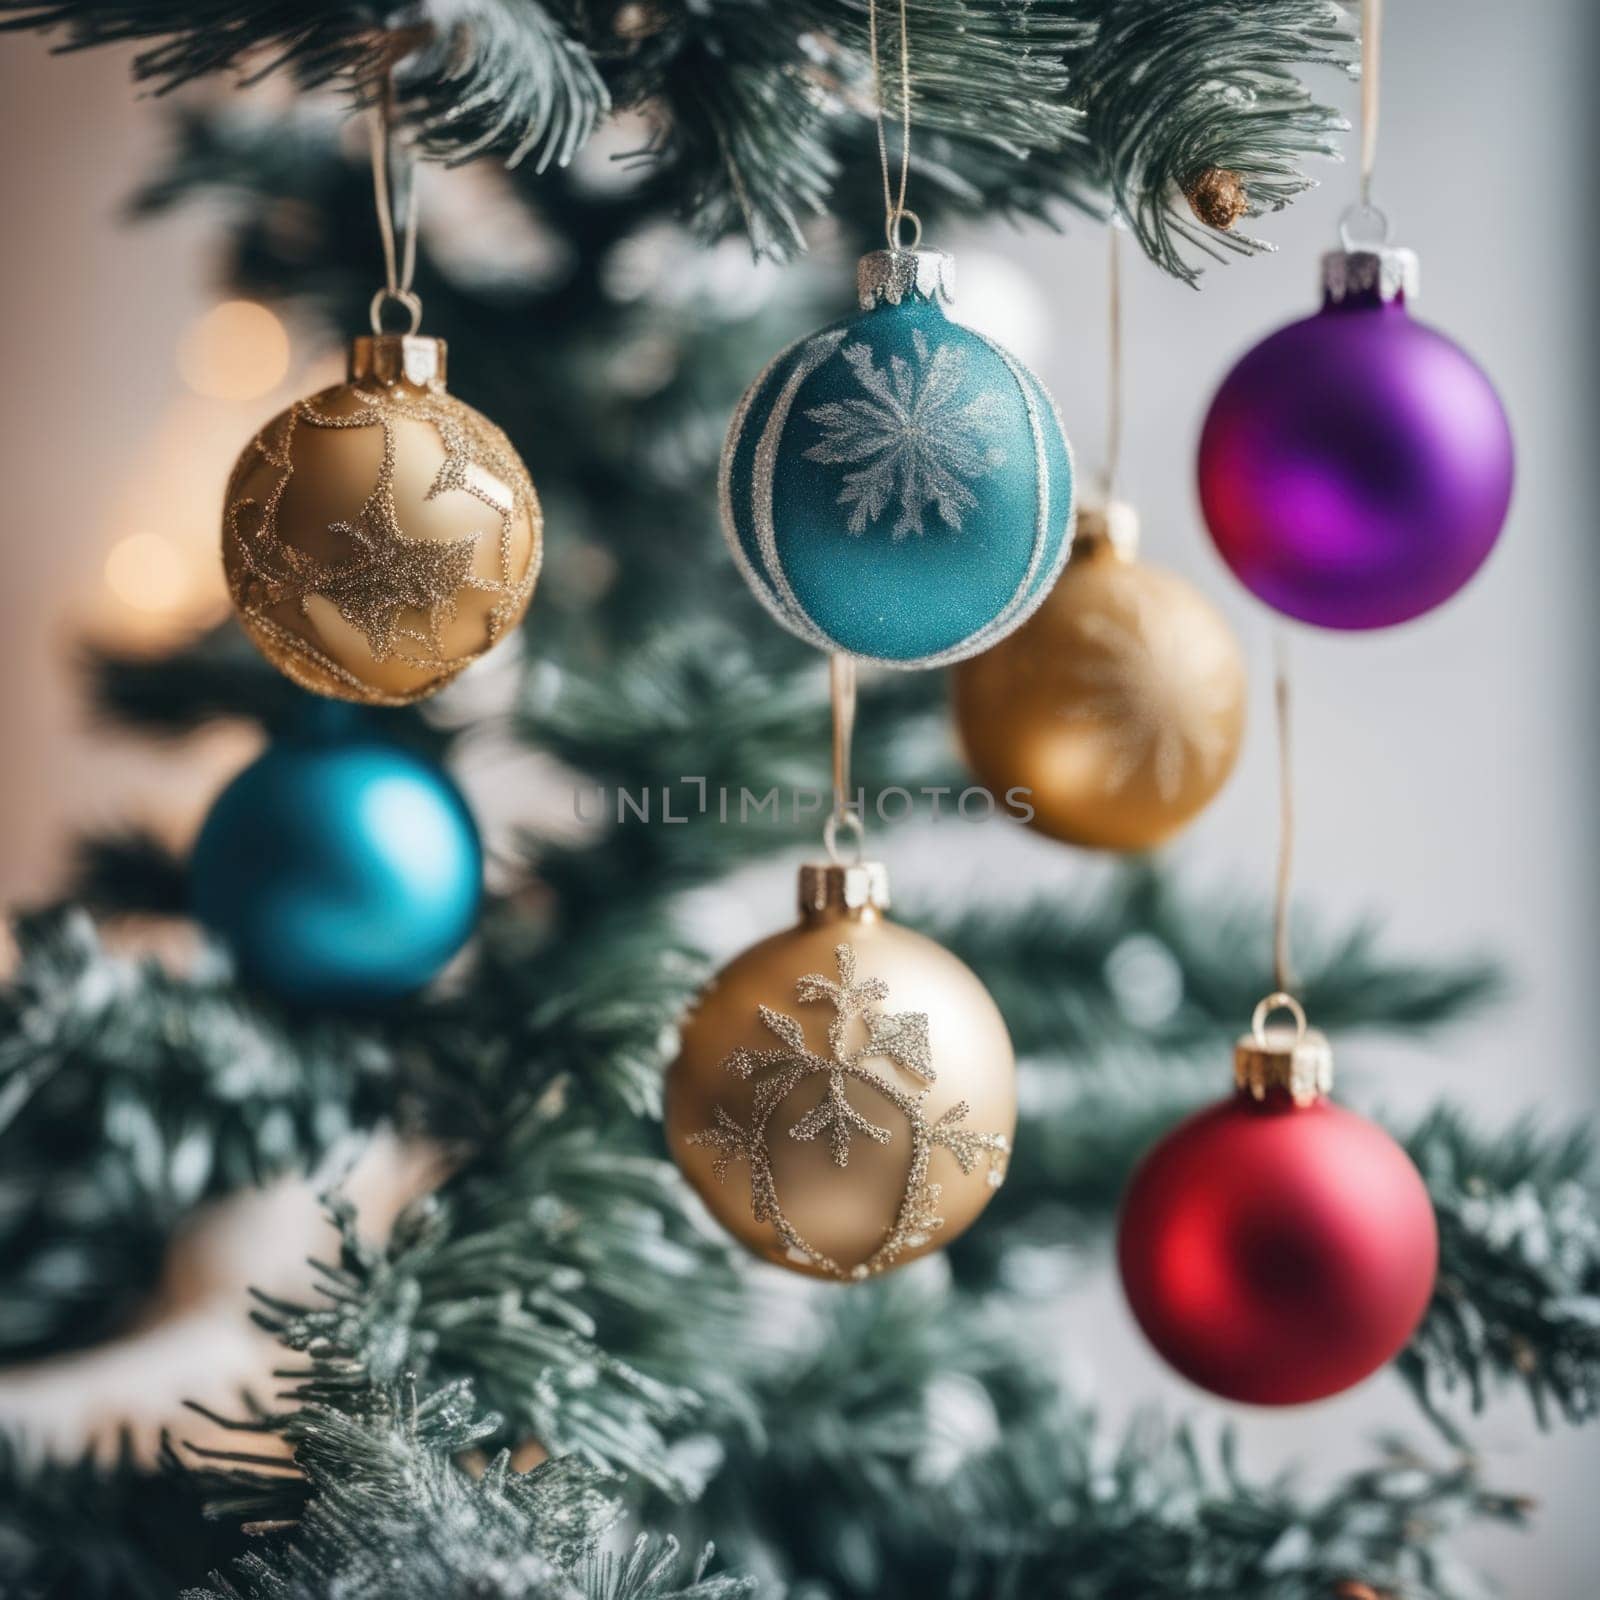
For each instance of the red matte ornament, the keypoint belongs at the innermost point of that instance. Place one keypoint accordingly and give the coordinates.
(1277, 1248)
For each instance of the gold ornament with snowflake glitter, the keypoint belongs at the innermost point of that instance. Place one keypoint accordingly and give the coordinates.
(1119, 705)
(380, 536)
(834, 1135)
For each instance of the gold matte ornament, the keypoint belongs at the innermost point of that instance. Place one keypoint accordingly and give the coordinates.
(1119, 705)
(380, 536)
(845, 1098)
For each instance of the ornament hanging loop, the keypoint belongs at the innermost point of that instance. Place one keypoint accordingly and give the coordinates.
(895, 227)
(1277, 1001)
(407, 299)
(1363, 226)
(850, 823)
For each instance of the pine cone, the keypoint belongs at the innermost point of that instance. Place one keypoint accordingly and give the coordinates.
(1217, 196)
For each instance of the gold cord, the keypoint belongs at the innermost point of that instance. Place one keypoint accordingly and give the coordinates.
(842, 694)
(894, 207)
(1114, 366)
(1282, 965)
(399, 262)
(1371, 50)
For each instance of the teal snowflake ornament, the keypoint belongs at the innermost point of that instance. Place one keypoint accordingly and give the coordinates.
(897, 486)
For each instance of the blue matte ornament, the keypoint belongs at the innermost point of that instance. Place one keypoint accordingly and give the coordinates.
(339, 868)
(898, 487)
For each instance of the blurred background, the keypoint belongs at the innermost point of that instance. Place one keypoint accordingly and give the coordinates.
(1443, 770)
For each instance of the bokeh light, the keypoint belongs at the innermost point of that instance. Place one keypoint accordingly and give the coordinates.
(237, 351)
(148, 572)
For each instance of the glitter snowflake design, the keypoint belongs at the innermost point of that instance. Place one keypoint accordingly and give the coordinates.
(1156, 690)
(911, 441)
(900, 1038)
(387, 576)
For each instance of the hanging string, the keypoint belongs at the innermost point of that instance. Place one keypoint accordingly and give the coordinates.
(845, 816)
(399, 259)
(894, 205)
(1282, 965)
(1371, 51)
(842, 668)
(1114, 366)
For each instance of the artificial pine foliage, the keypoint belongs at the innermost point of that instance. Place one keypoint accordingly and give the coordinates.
(558, 1295)
(1022, 104)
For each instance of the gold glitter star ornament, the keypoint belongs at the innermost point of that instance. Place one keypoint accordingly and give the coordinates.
(845, 1097)
(380, 536)
(1119, 705)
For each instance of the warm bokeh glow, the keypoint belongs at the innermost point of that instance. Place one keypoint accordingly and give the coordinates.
(148, 572)
(237, 351)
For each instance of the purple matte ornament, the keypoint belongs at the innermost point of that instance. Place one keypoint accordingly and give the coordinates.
(1355, 467)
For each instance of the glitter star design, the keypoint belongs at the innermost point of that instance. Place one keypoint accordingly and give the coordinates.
(392, 574)
(910, 440)
(1156, 691)
(898, 1037)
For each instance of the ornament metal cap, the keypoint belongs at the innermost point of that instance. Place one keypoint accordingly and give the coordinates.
(1367, 269)
(1293, 1059)
(843, 886)
(391, 358)
(1111, 528)
(895, 275)
(1355, 277)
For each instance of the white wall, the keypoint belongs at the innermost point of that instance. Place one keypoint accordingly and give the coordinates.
(92, 310)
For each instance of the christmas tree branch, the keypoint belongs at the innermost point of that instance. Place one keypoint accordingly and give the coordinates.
(104, 1529)
(562, 1274)
(218, 676)
(758, 784)
(129, 871)
(386, 1498)
(1518, 1300)
(960, 1470)
(759, 114)
(904, 1447)
(1151, 966)
(386, 1507)
(552, 1259)
(501, 75)
(1161, 1523)
(1174, 89)
(888, 1490)
(547, 1245)
(215, 676)
(760, 122)
(127, 1097)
